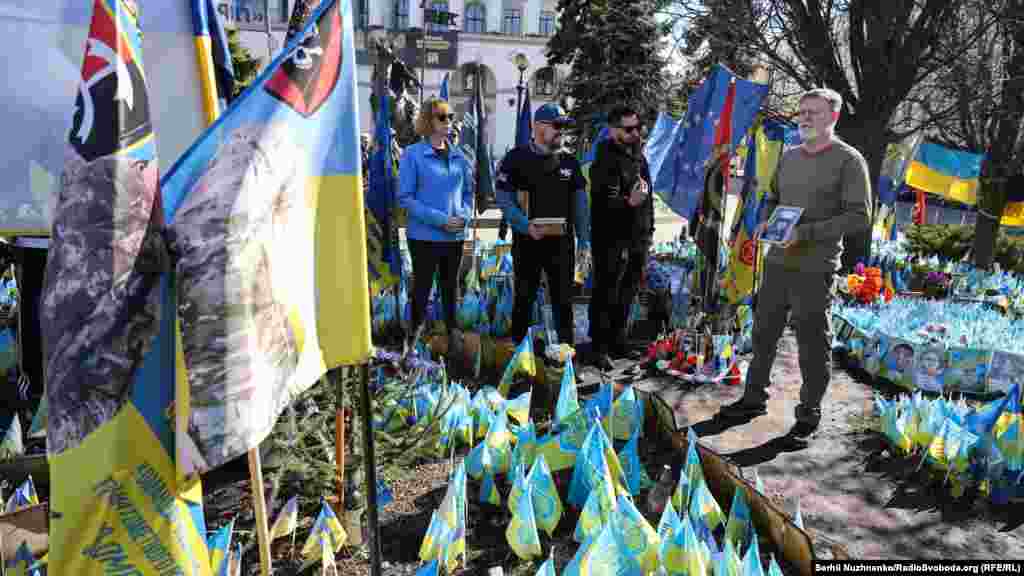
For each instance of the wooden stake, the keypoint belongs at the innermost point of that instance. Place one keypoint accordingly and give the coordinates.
(262, 531)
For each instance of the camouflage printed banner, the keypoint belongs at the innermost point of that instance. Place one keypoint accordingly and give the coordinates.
(117, 506)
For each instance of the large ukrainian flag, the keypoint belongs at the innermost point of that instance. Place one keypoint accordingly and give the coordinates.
(952, 174)
(267, 222)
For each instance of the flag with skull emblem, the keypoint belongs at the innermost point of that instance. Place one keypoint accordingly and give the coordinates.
(267, 222)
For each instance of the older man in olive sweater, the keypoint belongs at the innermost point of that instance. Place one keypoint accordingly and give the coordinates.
(828, 178)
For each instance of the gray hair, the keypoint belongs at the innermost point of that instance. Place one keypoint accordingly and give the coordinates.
(835, 101)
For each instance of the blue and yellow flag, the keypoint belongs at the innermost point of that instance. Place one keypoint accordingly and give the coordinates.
(952, 174)
(521, 532)
(894, 168)
(385, 265)
(267, 224)
(213, 56)
(219, 544)
(523, 361)
(547, 505)
(443, 94)
(596, 511)
(568, 399)
(287, 519)
(547, 568)
(12, 444)
(110, 377)
(24, 496)
(739, 523)
(636, 539)
(752, 559)
(326, 527)
(766, 140)
(22, 562)
(519, 407)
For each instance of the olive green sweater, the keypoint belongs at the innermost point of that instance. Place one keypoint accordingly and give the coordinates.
(833, 188)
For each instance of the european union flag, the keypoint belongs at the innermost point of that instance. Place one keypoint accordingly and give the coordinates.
(695, 138)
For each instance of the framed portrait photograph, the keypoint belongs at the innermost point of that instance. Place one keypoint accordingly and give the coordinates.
(930, 369)
(968, 369)
(1005, 369)
(897, 363)
(781, 224)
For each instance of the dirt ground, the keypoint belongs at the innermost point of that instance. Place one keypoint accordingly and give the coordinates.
(851, 490)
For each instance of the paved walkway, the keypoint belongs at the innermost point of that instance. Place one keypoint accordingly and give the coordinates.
(873, 504)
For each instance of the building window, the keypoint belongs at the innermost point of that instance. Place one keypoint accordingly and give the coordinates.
(544, 82)
(362, 14)
(476, 18)
(512, 22)
(438, 6)
(547, 23)
(401, 14)
(469, 79)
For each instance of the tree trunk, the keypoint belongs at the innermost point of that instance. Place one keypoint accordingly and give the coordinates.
(865, 137)
(991, 201)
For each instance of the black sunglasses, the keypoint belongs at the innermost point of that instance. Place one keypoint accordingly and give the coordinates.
(633, 128)
(445, 117)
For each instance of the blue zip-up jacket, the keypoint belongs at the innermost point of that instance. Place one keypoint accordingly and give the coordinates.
(432, 190)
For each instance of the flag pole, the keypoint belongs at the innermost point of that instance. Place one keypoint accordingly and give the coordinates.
(262, 532)
(270, 35)
(369, 462)
(204, 61)
(339, 435)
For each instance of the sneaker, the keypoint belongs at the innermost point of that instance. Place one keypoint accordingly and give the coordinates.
(744, 408)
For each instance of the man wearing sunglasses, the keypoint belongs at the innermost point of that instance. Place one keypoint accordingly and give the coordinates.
(554, 188)
(623, 221)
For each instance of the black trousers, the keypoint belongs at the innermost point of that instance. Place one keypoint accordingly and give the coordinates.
(434, 256)
(556, 256)
(617, 270)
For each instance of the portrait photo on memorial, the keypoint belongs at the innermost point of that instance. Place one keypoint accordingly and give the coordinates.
(781, 225)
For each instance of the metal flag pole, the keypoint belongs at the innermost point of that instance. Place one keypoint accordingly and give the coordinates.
(270, 35)
(423, 51)
(370, 463)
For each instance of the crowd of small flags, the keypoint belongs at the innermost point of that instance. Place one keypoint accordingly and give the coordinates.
(980, 444)
(12, 444)
(326, 537)
(23, 563)
(693, 536)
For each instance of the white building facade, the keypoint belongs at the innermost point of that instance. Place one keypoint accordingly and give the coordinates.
(488, 32)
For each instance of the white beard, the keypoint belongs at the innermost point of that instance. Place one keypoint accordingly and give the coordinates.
(808, 133)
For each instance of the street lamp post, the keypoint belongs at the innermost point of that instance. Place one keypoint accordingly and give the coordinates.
(522, 64)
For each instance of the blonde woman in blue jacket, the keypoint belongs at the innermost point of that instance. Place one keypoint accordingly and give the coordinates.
(435, 187)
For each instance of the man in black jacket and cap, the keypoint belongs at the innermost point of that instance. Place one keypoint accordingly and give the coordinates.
(622, 229)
